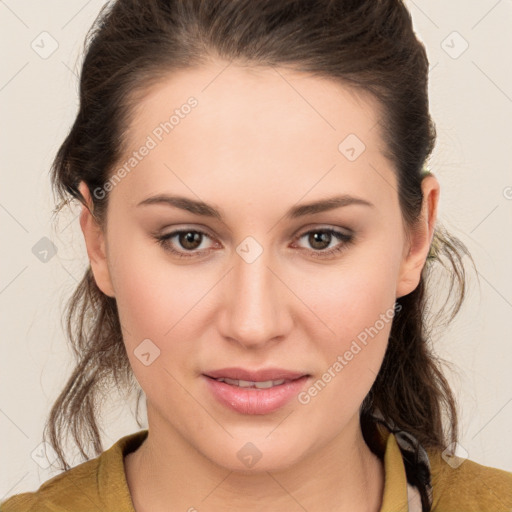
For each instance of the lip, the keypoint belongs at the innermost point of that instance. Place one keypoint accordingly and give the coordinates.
(252, 400)
(254, 375)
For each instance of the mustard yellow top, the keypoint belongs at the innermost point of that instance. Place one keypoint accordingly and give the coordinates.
(100, 484)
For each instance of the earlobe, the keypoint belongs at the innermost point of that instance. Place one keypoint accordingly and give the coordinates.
(95, 243)
(421, 237)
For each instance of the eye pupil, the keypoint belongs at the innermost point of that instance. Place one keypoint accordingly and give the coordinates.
(188, 239)
(319, 237)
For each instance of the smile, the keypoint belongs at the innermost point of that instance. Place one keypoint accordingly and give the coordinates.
(251, 384)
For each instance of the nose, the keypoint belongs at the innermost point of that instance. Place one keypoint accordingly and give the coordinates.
(255, 304)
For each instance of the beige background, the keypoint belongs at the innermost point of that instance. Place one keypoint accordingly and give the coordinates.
(471, 102)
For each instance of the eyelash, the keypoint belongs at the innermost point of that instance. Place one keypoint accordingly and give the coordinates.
(347, 239)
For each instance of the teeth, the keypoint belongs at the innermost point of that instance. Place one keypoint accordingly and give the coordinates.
(250, 384)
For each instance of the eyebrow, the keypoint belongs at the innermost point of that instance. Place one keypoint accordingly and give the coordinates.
(207, 210)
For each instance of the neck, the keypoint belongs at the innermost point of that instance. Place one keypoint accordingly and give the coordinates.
(167, 473)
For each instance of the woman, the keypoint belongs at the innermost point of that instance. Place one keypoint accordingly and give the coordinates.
(260, 226)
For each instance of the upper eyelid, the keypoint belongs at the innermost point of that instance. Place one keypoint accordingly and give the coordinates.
(297, 234)
(311, 227)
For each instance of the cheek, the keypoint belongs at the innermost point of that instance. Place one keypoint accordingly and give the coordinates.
(361, 319)
(150, 291)
(352, 297)
(354, 308)
(158, 305)
(156, 300)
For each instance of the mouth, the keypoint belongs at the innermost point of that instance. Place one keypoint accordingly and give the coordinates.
(255, 396)
(266, 384)
(263, 378)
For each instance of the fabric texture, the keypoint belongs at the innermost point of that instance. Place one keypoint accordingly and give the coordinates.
(415, 481)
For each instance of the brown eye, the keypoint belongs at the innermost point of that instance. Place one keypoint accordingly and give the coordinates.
(189, 239)
(319, 239)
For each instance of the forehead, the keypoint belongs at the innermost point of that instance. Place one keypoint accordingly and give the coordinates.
(231, 96)
(255, 128)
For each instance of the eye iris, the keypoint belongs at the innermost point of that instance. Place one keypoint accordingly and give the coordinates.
(188, 239)
(319, 236)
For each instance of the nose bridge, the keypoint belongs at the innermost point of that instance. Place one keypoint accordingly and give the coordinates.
(255, 304)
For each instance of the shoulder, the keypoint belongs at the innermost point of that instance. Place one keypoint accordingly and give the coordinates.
(96, 484)
(75, 487)
(464, 485)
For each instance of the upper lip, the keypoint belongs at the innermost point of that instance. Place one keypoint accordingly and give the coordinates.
(255, 375)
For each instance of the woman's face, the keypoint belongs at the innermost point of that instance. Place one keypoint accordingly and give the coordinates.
(257, 284)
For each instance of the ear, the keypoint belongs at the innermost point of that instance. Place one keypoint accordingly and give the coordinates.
(418, 247)
(95, 243)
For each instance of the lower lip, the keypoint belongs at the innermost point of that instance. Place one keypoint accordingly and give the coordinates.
(252, 400)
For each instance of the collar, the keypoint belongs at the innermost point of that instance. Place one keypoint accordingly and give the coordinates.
(399, 494)
(402, 455)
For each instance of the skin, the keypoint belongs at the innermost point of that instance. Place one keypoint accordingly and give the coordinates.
(260, 141)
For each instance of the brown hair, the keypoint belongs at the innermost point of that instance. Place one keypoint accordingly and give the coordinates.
(368, 45)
